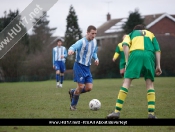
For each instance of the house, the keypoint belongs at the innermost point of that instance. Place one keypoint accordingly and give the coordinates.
(159, 24)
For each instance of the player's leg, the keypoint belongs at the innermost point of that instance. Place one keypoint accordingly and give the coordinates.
(149, 67)
(62, 70)
(122, 71)
(132, 71)
(123, 91)
(85, 88)
(81, 88)
(61, 79)
(120, 99)
(122, 94)
(79, 77)
(150, 98)
(76, 94)
(58, 78)
(57, 69)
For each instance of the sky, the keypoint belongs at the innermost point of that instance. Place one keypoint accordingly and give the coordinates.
(92, 12)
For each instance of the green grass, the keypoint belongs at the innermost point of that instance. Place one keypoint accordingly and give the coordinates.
(44, 100)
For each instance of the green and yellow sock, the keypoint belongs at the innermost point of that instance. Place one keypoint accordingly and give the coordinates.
(121, 98)
(151, 101)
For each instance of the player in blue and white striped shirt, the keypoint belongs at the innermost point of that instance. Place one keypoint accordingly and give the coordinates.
(85, 49)
(59, 58)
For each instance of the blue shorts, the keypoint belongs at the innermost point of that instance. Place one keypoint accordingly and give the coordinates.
(60, 65)
(82, 73)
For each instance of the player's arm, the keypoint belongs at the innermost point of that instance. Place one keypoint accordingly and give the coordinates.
(126, 44)
(116, 54)
(158, 68)
(158, 55)
(74, 47)
(94, 56)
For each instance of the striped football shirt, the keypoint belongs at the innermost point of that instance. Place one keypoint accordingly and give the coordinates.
(85, 51)
(58, 51)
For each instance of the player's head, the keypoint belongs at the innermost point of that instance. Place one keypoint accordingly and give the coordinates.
(91, 32)
(139, 27)
(59, 42)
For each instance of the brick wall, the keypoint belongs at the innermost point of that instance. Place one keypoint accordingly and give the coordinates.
(165, 25)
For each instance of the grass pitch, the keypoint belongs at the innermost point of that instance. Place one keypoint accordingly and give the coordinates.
(44, 100)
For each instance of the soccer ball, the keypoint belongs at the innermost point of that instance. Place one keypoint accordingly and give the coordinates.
(94, 104)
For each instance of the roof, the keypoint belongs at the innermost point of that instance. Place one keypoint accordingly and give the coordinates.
(158, 18)
(101, 30)
(111, 27)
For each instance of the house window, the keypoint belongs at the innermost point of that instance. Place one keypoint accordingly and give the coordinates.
(166, 34)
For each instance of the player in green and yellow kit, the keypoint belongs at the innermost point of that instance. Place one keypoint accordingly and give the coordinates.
(119, 52)
(141, 49)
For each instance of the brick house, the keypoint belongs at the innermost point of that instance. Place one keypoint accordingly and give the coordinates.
(160, 24)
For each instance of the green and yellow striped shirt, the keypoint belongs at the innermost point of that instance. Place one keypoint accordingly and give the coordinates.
(141, 40)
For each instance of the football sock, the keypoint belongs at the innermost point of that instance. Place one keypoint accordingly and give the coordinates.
(61, 79)
(75, 100)
(151, 101)
(121, 98)
(57, 77)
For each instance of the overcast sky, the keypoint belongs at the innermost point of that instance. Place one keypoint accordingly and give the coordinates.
(92, 12)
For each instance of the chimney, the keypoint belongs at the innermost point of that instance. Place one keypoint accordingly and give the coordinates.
(108, 17)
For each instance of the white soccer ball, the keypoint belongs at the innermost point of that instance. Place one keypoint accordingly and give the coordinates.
(94, 104)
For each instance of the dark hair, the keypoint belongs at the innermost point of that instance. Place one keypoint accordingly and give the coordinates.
(139, 27)
(59, 40)
(91, 27)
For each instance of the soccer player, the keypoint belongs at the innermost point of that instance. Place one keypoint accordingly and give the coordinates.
(119, 52)
(144, 50)
(59, 58)
(86, 49)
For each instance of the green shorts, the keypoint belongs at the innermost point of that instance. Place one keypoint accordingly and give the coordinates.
(140, 62)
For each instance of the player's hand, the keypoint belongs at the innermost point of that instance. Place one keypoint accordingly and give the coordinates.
(158, 71)
(53, 67)
(70, 52)
(113, 59)
(96, 62)
(122, 72)
(62, 56)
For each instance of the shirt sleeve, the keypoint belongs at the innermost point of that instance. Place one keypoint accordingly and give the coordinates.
(156, 44)
(116, 55)
(76, 46)
(127, 41)
(117, 52)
